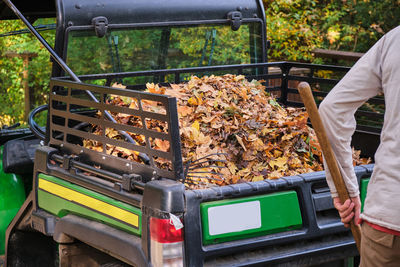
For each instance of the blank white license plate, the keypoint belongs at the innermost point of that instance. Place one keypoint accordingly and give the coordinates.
(234, 217)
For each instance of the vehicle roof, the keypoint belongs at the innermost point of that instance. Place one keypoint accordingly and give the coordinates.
(32, 10)
(81, 12)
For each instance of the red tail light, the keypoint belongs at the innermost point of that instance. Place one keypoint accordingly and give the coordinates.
(164, 231)
(166, 242)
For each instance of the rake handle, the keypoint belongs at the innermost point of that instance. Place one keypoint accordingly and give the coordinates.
(312, 110)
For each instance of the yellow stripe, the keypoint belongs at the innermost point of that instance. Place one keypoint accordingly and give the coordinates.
(89, 202)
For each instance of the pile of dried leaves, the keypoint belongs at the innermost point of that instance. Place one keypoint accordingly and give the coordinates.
(237, 121)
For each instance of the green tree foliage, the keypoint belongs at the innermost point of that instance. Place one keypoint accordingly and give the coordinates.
(296, 27)
(11, 78)
(291, 29)
(215, 45)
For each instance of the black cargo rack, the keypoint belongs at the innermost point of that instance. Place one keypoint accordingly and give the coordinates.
(280, 78)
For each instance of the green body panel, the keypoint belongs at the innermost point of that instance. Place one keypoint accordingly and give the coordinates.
(12, 196)
(279, 212)
(363, 191)
(62, 207)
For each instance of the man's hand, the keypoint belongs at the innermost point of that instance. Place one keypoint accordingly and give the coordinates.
(350, 209)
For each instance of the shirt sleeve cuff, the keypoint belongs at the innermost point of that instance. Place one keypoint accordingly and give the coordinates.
(334, 194)
(354, 194)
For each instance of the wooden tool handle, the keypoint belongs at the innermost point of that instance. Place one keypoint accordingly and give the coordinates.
(311, 107)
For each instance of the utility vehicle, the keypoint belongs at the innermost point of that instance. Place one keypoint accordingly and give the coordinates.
(64, 204)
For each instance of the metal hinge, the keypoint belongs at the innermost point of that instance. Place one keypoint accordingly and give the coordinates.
(67, 161)
(131, 181)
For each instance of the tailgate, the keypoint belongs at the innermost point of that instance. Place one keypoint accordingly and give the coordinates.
(282, 221)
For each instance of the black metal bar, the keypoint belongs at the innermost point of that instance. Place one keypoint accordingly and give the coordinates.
(216, 68)
(318, 67)
(203, 54)
(179, 71)
(313, 79)
(376, 101)
(115, 42)
(369, 129)
(295, 104)
(370, 115)
(163, 52)
(273, 89)
(23, 31)
(177, 77)
(284, 85)
(166, 24)
(174, 132)
(315, 93)
(110, 49)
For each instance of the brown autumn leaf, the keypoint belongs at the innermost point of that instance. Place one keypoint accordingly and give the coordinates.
(155, 89)
(257, 178)
(118, 85)
(162, 145)
(357, 160)
(279, 163)
(240, 140)
(184, 111)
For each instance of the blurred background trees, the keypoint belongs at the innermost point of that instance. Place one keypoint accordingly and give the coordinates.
(11, 71)
(294, 27)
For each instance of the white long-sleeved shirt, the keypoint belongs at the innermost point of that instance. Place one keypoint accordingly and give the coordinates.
(377, 71)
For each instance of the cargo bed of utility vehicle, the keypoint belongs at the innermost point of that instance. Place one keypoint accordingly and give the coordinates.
(89, 206)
